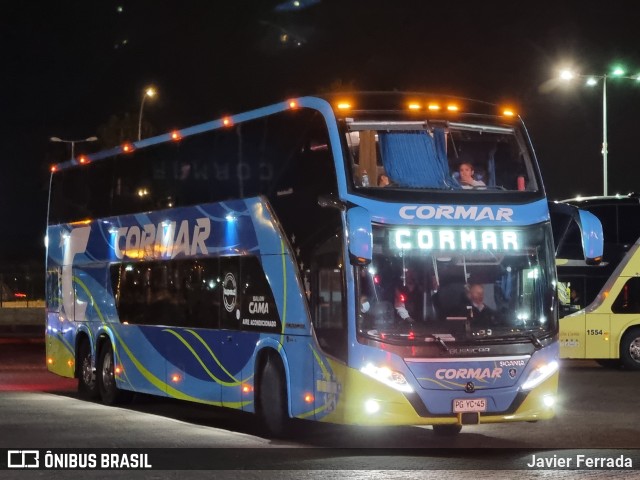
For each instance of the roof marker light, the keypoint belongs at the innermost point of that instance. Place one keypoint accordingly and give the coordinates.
(414, 106)
(227, 122)
(54, 168)
(434, 107)
(507, 112)
(175, 135)
(293, 104)
(82, 160)
(127, 147)
(344, 106)
(453, 108)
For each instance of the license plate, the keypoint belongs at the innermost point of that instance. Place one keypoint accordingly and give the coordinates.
(463, 405)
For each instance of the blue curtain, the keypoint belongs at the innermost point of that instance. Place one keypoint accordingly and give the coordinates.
(415, 159)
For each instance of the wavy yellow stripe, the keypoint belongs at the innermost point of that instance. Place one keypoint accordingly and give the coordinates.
(312, 412)
(323, 367)
(326, 376)
(197, 357)
(64, 342)
(206, 345)
(448, 385)
(103, 321)
(151, 378)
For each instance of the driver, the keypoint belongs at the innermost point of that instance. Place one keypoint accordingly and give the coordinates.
(408, 299)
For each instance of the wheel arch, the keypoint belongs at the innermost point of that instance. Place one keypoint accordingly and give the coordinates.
(267, 351)
(633, 324)
(81, 337)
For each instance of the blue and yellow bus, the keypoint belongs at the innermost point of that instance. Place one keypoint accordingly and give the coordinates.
(376, 259)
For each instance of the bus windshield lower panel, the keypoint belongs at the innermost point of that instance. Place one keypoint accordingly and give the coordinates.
(462, 285)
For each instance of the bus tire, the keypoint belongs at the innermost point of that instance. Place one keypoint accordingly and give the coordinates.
(87, 382)
(446, 430)
(109, 391)
(630, 349)
(272, 402)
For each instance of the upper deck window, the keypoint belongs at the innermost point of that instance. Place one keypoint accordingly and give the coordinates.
(426, 155)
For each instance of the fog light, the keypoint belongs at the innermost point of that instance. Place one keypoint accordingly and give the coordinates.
(549, 400)
(371, 406)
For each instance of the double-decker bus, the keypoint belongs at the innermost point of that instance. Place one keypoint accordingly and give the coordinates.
(382, 259)
(618, 215)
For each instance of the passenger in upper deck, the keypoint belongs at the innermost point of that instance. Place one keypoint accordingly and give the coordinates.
(467, 180)
(383, 180)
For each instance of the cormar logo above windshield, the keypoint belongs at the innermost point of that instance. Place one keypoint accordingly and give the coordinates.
(459, 212)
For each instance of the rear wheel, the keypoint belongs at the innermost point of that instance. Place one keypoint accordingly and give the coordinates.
(87, 383)
(109, 391)
(272, 391)
(630, 349)
(446, 430)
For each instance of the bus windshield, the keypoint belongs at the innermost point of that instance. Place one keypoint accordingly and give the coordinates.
(442, 155)
(457, 285)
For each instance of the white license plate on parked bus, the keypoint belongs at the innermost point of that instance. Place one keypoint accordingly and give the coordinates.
(462, 405)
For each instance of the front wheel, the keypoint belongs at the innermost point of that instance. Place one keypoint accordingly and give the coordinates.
(272, 402)
(87, 384)
(630, 349)
(109, 391)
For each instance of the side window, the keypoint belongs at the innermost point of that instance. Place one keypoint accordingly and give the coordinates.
(628, 301)
(629, 230)
(54, 291)
(201, 290)
(182, 293)
(569, 240)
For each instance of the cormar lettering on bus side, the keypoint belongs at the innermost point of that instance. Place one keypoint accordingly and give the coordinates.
(162, 240)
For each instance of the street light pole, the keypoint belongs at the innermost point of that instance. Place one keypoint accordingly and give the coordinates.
(149, 92)
(605, 183)
(592, 80)
(73, 142)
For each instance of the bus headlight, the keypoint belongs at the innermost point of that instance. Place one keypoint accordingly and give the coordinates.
(540, 374)
(387, 376)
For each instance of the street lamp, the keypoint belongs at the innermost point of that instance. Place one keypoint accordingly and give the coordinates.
(591, 81)
(149, 92)
(73, 142)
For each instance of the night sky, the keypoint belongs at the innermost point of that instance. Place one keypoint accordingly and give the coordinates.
(68, 66)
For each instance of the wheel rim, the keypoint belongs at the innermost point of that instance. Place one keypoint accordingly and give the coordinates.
(107, 372)
(634, 349)
(87, 371)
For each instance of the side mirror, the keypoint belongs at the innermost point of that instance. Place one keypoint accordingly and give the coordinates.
(360, 237)
(592, 237)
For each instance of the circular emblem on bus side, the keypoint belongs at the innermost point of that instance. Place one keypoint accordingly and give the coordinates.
(469, 387)
(229, 292)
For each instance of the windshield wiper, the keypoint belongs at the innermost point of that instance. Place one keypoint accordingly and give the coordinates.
(439, 341)
(535, 340)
